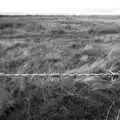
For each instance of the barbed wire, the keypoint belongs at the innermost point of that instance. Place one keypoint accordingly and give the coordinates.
(62, 74)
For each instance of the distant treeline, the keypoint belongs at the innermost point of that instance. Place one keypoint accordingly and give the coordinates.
(82, 16)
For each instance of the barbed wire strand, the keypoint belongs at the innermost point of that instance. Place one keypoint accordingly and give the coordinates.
(61, 74)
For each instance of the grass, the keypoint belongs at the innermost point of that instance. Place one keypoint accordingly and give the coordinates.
(65, 44)
(106, 29)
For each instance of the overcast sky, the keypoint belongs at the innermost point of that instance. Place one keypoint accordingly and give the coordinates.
(69, 7)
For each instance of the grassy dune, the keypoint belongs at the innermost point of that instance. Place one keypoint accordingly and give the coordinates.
(65, 44)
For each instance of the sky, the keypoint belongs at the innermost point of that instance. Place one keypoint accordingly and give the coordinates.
(58, 7)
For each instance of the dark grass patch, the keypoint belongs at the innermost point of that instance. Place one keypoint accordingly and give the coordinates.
(52, 101)
(105, 29)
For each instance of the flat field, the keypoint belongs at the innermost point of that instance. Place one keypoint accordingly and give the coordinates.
(60, 44)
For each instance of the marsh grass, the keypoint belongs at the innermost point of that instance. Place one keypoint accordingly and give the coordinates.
(59, 100)
(62, 44)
